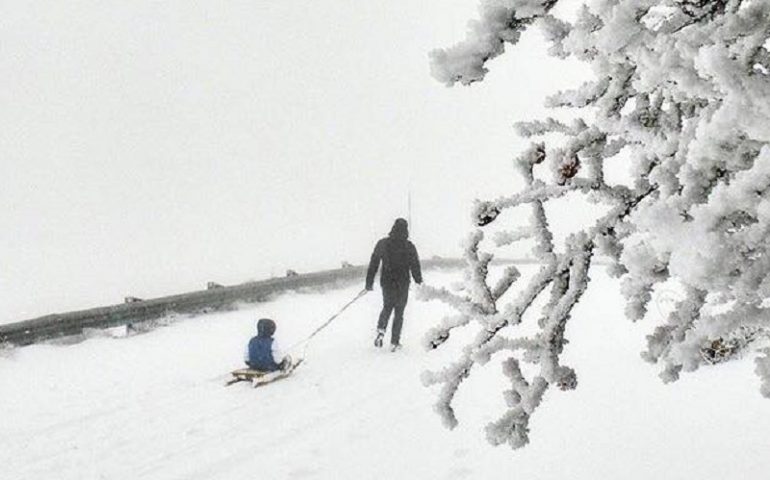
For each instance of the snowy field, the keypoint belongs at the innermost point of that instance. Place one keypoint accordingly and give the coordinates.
(153, 406)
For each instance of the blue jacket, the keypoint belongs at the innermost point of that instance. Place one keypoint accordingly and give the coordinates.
(260, 354)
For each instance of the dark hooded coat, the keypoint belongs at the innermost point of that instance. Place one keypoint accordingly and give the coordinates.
(398, 257)
(260, 354)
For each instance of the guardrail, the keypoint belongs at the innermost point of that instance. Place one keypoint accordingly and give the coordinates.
(216, 297)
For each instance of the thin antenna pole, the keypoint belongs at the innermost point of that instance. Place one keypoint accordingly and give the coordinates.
(409, 208)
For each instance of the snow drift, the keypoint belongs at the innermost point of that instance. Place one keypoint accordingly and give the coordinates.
(153, 406)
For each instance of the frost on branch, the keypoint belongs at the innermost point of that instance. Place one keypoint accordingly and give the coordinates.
(682, 89)
(763, 370)
(500, 21)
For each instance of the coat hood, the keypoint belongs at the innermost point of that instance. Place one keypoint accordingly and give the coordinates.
(265, 327)
(400, 229)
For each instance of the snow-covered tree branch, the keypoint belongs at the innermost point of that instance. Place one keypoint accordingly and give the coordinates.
(681, 95)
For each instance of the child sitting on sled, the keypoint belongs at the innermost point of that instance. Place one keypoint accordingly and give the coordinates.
(261, 353)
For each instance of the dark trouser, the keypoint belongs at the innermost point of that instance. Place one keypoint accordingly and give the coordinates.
(394, 297)
(271, 368)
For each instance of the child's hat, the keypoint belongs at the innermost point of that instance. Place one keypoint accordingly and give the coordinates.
(265, 327)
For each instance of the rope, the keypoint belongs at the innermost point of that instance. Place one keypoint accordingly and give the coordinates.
(315, 332)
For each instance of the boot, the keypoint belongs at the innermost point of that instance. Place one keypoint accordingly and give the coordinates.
(378, 339)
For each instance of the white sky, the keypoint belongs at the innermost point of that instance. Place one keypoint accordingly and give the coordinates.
(147, 147)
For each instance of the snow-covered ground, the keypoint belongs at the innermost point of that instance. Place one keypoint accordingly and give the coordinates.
(153, 406)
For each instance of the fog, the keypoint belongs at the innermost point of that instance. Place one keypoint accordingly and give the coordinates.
(148, 147)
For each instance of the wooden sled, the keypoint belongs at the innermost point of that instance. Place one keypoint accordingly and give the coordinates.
(257, 377)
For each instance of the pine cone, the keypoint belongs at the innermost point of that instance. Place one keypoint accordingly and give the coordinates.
(485, 213)
(570, 168)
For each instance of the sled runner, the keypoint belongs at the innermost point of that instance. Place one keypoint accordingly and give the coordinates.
(258, 378)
